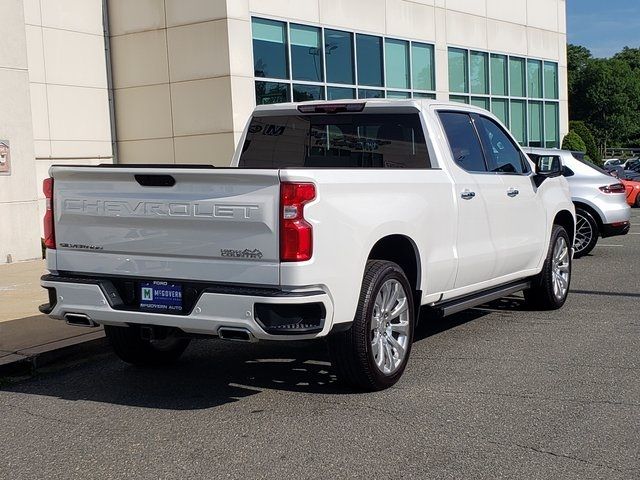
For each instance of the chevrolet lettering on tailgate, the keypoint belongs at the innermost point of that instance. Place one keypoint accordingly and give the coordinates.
(117, 208)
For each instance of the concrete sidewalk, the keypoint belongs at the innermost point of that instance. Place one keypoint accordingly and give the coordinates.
(28, 339)
(20, 291)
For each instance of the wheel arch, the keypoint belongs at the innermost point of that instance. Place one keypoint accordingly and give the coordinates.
(402, 250)
(565, 219)
(592, 210)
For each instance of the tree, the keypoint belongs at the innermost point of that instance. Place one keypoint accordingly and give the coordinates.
(578, 58)
(584, 132)
(573, 142)
(607, 97)
(631, 56)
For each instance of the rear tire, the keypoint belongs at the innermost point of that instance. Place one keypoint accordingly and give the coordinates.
(551, 286)
(587, 233)
(132, 348)
(637, 202)
(373, 353)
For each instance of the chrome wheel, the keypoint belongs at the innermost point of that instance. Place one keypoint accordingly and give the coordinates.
(584, 233)
(390, 327)
(560, 268)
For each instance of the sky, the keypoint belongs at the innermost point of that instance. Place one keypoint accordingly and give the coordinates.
(604, 26)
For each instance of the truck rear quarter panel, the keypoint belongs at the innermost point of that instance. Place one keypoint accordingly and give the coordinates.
(355, 209)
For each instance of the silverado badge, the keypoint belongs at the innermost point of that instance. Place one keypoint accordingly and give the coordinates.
(254, 254)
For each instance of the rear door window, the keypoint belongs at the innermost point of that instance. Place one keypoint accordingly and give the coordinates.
(463, 140)
(335, 141)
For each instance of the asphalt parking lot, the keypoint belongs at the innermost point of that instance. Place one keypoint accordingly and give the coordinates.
(495, 392)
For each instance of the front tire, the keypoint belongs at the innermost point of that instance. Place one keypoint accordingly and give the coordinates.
(550, 288)
(128, 344)
(373, 353)
(587, 233)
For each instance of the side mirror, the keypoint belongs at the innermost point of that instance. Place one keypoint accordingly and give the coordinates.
(547, 166)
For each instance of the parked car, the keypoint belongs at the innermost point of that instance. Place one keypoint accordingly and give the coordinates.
(601, 206)
(612, 162)
(633, 165)
(633, 192)
(622, 174)
(336, 220)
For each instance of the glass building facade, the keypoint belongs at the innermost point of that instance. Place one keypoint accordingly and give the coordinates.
(521, 92)
(295, 62)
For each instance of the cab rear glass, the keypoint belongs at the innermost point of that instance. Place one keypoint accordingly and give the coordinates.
(335, 141)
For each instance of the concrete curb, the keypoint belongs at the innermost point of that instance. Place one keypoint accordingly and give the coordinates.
(28, 361)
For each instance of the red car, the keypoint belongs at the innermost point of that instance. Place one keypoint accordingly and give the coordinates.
(633, 192)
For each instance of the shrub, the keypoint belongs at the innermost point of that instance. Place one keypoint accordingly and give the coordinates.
(573, 142)
(586, 135)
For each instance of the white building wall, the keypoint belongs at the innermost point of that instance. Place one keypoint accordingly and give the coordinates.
(171, 74)
(68, 84)
(19, 239)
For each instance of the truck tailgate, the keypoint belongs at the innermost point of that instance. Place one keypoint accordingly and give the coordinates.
(217, 225)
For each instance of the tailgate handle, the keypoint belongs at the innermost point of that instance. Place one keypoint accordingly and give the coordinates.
(155, 180)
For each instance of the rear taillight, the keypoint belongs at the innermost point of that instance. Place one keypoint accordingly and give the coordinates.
(296, 234)
(49, 234)
(615, 188)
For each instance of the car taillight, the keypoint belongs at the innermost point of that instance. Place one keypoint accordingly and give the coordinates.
(296, 234)
(615, 188)
(49, 234)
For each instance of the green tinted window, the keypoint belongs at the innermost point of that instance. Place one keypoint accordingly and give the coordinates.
(391, 94)
(479, 72)
(271, 92)
(518, 118)
(306, 53)
(550, 80)
(481, 102)
(422, 62)
(339, 93)
(305, 93)
(551, 125)
(338, 48)
(534, 73)
(517, 77)
(459, 98)
(369, 50)
(535, 124)
(500, 108)
(458, 71)
(269, 48)
(367, 93)
(424, 95)
(397, 61)
(499, 75)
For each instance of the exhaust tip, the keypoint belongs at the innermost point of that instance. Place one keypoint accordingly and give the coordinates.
(79, 320)
(236, 334)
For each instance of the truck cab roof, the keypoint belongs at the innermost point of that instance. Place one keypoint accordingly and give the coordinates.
(370, 106)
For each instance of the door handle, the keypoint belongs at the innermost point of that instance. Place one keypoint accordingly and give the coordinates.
(468, 194)
(512, 192)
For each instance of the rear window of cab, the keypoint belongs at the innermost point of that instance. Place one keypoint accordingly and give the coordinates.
(335, 141)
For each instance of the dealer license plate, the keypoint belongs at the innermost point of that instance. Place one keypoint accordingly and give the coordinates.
(158, 296)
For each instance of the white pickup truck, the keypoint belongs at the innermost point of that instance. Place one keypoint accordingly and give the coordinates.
(335, 220)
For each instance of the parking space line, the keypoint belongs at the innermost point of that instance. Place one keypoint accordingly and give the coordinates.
(609, 245)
